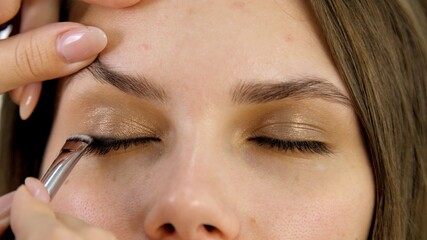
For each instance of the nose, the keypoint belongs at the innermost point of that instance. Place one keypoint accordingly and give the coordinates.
(184, 217)
(189, 206)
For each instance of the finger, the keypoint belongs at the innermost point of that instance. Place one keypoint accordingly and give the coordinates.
(49, 52)
(26, 97)
(5, 204)
(36, 13)
(16, 94)
(81, 228)
(114, 3)
(30, 97)
(8, 9)
(31, 216)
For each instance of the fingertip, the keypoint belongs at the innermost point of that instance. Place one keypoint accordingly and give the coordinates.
(37, 189)
(30, 212)
(80, 44)
(8, 10)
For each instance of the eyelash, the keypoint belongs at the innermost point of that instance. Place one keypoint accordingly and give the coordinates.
(291, 145)
(103, 146)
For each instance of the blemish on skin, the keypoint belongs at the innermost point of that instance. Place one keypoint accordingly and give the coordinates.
(113, 178)
(296, 179)
(238, 4)
(145, 46)
(190, 11)
(289, 38)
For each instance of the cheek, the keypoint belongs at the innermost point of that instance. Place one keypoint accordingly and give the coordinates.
(319, 218)
(108, 194)
(332, 203)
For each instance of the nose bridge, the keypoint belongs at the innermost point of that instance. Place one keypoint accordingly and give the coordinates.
(197, 153)
(191, 204)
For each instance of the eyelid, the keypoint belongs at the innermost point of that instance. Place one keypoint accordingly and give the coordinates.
(110, 119)
(289, 130)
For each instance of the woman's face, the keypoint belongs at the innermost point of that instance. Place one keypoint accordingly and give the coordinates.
(237, 126)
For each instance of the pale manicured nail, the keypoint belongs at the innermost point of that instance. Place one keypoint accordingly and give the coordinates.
(5, 204)
(37, 189)
(80, 44)
(29, 98)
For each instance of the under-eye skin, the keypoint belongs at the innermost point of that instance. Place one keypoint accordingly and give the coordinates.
(281, 145)
(104, 145)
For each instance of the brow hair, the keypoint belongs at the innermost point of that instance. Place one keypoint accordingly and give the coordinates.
(138, 86)
(244, 93)
(256, 93)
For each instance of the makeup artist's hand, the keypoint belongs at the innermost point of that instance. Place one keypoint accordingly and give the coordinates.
(5, 203)
(31, 217)
(44, 51)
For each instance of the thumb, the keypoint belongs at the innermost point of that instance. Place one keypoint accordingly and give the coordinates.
(49, 52)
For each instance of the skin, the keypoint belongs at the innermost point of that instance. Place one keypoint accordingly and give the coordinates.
(205, 179)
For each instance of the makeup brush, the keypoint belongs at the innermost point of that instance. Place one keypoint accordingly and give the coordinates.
(73, 149)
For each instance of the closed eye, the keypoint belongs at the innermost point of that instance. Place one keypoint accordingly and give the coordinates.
(103, 146)
(291, 145)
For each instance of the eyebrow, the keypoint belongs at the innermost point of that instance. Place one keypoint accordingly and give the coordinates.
(245, 92)
(299, 88)
(135, 85)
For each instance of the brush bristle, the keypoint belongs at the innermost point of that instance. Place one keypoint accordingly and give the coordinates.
(81, 138)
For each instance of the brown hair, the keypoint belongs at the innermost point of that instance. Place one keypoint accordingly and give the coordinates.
(380, 50)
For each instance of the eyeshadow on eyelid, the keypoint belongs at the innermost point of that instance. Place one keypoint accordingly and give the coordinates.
(297, 120)
(107, 121)
(291, 130)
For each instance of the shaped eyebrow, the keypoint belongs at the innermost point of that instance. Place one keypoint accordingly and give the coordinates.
(135, 85)
(300, 88)
(250, 92)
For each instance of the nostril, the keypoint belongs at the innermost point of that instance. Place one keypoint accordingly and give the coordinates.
(209, 228)
(168, 228)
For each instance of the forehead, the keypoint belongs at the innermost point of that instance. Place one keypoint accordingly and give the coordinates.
(213, 42)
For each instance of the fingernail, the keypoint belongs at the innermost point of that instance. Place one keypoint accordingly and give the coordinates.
(5, 204)
(81, 43)
(29, 98)
(37, 189)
